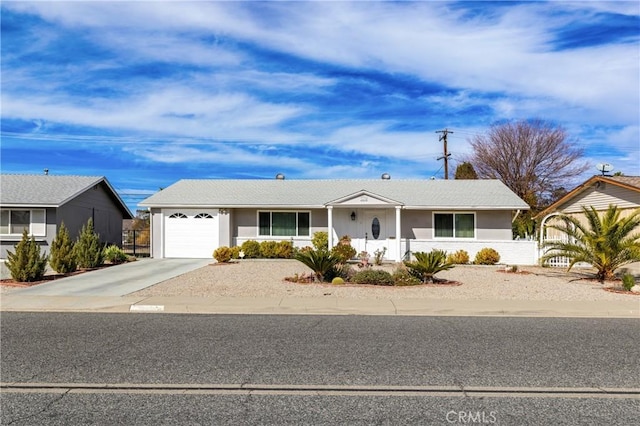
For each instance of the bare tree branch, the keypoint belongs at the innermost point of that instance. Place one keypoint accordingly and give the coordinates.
(532, 157)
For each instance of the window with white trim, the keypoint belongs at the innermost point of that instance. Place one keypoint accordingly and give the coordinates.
(283, 224)
(203, 216)
(15, 221)
(454, 225)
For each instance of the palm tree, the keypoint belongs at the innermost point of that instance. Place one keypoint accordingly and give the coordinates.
(606, 242)
(428, 264)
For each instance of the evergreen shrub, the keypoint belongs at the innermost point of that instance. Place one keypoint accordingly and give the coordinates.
(26, 264)
(88, 249)
(62, 257)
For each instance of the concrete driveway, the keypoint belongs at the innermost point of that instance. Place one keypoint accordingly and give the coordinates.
(116, 280)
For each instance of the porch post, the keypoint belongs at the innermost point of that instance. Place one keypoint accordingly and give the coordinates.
(330, 225)
(398, 234)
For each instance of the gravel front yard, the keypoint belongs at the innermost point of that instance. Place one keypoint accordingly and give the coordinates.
(262, 278)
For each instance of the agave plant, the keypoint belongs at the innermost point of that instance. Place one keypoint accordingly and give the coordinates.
(605, 242)
(428, 264)
(321, 262)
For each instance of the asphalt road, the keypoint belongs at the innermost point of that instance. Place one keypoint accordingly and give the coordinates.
(216, 369)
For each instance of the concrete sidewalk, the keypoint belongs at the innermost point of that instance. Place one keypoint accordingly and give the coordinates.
(329, 305)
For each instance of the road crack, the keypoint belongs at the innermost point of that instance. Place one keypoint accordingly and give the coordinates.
(43, 410)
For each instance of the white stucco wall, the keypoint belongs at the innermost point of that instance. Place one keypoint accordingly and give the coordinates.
(511, 252)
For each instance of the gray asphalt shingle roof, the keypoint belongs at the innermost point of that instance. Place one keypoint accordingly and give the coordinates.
(454, 194)
(49, 190)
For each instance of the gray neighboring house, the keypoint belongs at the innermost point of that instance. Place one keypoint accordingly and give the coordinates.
(41, 203)
(192, 218)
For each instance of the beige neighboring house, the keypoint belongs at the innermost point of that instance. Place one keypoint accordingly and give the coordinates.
(598, 192)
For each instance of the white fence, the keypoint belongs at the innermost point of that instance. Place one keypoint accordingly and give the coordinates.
(559, 261)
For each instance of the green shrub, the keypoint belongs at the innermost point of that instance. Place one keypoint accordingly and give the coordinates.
(268, 249)
(373, 276)
(320, 240)
(235, 252)
(284, 250)
(628, 281)
(461, 257)
(343, 252)
(337, 281)
(321, 262)
(402, 277)
(27, 263)
(487, 256)
(428, 264)
(251, 249)
(223, 254)
(88, 249)
(62, 259)
(114, 254)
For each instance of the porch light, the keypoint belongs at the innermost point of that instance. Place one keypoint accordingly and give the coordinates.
(353, 215)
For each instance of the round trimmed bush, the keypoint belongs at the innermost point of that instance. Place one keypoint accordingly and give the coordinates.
(460, 257)
(268, 249)
(251, 249)
(337, 281)
(284, 249)
(223, 254)
(487, 256)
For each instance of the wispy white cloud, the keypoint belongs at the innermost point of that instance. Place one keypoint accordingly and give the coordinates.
(319, 88)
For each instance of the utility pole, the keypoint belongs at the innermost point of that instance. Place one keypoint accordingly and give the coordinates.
(446, 155)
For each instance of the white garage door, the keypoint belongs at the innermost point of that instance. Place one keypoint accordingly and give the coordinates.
(190, 232)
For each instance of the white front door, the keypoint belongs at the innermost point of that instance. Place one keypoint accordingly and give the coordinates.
(375, 231)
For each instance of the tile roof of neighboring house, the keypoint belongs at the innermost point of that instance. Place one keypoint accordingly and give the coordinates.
(630, 182)
(18, 190)
(442, 194)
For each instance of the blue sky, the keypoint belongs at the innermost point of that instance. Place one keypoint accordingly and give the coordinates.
(147, 93)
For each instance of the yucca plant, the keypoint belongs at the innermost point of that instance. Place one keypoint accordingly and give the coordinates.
(321, 262)
(428, 264)
(605, 242)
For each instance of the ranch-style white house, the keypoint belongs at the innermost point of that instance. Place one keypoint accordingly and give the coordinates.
(192, 218)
